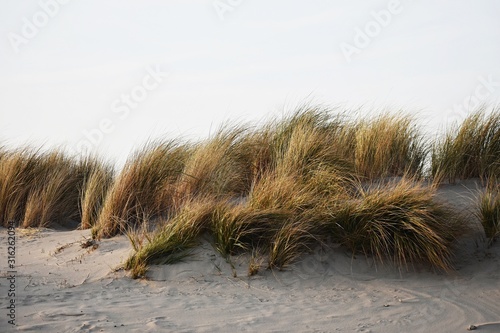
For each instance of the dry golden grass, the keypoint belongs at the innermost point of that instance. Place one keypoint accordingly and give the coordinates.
(402, 221)
(289, 184)
(136, 189)
(162, 178)
(255, 264)
(169, 243)
(309, 139)
(41, 188)
(471, 149)
(219, 167)
(277, 190)
(97, 181)
(290, 242)
(389, 145)
(488, 213)
(53, 195)
(238, 228)
(17, 176)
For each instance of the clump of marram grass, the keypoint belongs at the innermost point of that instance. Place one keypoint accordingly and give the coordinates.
(401, 221)
(309, 139)
(488, 212)
(17, 176)
(287, 214)
(239, 228)
(303, 168)
(470, 150)
(96, 183)
(41, 188)
(219, 167)
(137, 188)
(269, 218)
(169, 244)
(278, 191)
(54, 194)
(163, 177)
(279, 217)
(290, 242)
(389, 145)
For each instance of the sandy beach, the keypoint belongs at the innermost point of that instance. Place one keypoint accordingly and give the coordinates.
(250, 166)
(61, 286)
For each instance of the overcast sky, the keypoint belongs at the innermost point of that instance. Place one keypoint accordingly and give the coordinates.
(108, 75)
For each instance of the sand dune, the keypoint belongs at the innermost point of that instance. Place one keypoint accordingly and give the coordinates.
(62, 287)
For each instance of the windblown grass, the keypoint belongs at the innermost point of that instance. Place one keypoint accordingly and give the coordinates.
(279, 190)
(54, 193)
(219, 167)
(97, 181)
(401, 221)
(471, 150)
(136, 189)
(389, 145)
(489, 213)
(170, 243)
(290, 242)
(286, 187)
(309, 139)
(282, 215)
(238, 228)
(162, 178)
(39, 188)
(263, 221)
(17, 176)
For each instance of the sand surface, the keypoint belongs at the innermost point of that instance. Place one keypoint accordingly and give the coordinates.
(62, 287)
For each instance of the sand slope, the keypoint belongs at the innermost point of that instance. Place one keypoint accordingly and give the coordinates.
(62, 287)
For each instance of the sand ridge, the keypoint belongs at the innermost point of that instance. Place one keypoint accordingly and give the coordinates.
(64, 287)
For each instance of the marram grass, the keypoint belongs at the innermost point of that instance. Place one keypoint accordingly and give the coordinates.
(96, 184)
(170, 242)
(469, 150)
(389, 145)
(488, 212)
(400, 221)
(278, 190)
(40, 188)
(137, 188)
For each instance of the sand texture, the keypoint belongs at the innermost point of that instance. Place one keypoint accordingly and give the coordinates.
(63, 287)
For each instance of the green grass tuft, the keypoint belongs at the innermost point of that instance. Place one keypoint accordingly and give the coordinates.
(169, 243)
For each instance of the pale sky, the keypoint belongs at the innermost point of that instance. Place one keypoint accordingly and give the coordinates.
(81, 73)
